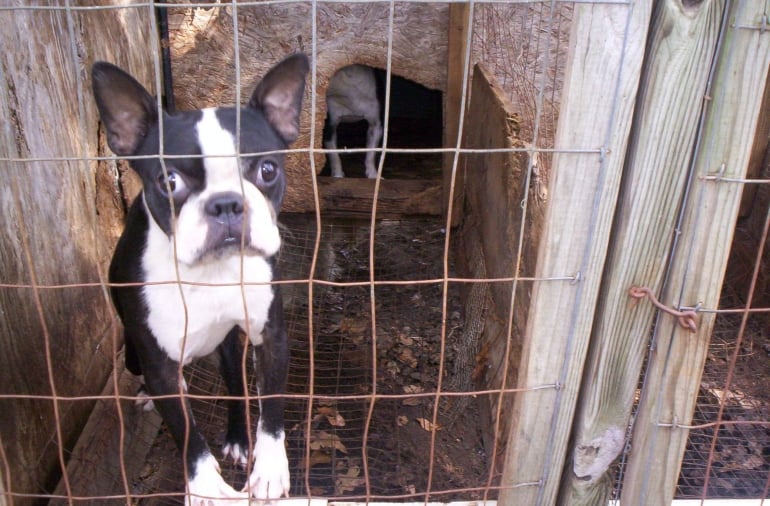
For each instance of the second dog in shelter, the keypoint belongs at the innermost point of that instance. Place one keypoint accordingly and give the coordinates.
(194, 265)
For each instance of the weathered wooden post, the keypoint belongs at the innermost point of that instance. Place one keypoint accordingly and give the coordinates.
(679, 55)
(698, 261)
(58, 340)
(604, 63)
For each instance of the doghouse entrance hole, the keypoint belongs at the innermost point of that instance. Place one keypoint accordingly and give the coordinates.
(415, 122)
(326, 439)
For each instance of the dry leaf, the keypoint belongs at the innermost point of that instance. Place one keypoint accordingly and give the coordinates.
(428, 425)
(354, 325)
(316, 457)
(412, 389)
(349, 481)
(405, 340)
(324, 441)
(402, 420)
(407, 357)
(331, 415)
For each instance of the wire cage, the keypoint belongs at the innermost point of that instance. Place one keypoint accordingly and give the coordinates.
(553, 292)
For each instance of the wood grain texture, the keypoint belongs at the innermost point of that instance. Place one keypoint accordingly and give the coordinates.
(604, 63)
(459, 25)
(671, 92)
(396, 199)
(49, 211)
(698, 263)
(118, 438)
(495, 228)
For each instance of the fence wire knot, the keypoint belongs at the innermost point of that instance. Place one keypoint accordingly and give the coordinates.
(686, 318)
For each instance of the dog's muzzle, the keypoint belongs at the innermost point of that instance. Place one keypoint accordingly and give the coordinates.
(227, 223)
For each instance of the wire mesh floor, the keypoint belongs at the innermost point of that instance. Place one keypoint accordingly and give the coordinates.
(329, 438)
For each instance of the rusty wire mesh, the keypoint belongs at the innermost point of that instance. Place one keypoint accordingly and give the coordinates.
(372, 395)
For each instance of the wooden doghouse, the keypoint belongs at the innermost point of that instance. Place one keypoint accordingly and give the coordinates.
(208, 60)
(204, 58)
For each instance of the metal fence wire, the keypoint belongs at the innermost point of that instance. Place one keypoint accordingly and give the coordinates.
(413, 301)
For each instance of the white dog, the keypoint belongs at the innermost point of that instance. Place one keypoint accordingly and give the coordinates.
(352, 96)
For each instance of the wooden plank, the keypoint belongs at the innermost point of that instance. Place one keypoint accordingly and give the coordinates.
(758, 159)
(494, 190)
(677, 359)
(459, 21)
(95, 463)
(49, 114)
(397, 197)
(596, 111)
(667, 117)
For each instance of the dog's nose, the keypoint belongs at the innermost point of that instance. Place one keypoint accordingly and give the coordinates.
(225, 204)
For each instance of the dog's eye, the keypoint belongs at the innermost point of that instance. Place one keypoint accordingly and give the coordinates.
(268, 171)
(173, 185)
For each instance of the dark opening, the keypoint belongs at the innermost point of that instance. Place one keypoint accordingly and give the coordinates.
(416, 122)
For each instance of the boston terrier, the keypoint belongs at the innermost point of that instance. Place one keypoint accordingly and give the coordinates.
(193, 267)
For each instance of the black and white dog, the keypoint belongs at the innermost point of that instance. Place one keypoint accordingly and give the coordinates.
(355, 93)
(198, 254)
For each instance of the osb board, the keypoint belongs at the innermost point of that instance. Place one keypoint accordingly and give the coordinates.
(523, 45)
(204, 54)
(60, 219)
(496, 185)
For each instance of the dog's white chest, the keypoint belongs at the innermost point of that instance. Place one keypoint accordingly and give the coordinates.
(189, 320)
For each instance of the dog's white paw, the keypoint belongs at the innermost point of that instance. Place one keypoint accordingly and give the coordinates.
(143, 400)
(236, 452)
(269, 479)
(208, 488)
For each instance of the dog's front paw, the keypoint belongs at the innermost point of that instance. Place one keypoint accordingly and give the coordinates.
(269, 479)
(208, 488)
(238, 452)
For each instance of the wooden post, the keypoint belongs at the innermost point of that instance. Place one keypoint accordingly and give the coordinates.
(665, 127)
(493, 197)
(52, 232)
(456, 55)
(697, 269)
(596, 111)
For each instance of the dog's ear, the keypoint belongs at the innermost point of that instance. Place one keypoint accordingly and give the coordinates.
(125, 107)
(279, 95)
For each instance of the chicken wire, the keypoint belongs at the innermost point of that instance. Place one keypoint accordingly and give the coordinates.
(333, 426)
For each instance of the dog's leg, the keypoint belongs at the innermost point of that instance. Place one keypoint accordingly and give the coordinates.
(237, 438)
(331, 143)
(270, 477)
(161, 376)
(373, 136)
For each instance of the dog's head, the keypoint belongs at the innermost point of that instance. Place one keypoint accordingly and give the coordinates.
(200, 192)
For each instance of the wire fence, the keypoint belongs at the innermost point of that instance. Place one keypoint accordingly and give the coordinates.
(411, 337)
